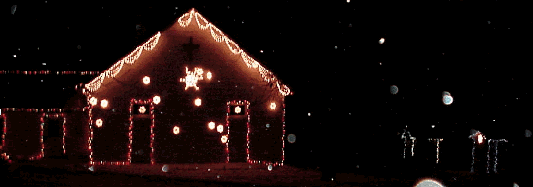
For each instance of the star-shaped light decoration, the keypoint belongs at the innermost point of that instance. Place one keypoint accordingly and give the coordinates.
(142, 109)
(192, 77)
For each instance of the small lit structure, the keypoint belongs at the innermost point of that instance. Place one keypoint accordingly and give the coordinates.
(211, 125)
(198, 102)
(99, 123)
(146, 80)
(157, 99)
(103, 103)
(176, 130)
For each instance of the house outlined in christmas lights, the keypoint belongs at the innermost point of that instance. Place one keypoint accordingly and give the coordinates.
(158, 104)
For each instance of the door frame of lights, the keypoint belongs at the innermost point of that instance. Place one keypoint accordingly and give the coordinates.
(49, 113)
(130, 133)
(229, 104)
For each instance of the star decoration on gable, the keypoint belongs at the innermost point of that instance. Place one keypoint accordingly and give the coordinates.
(192, 77)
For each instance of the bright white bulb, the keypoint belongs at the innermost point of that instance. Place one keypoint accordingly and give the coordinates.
(382, 40)
(309, 114)
(176, 130)
(432, 126)
(220, 128)
(14, 56)
(209, 75)
(99, 123)
(211, 125)
(93, 101)
(103, 103)
(198, 102)
(157, 99)
(270, 167)
(146, 80)
(237, 110)
(273, 106)
(479, 138)
(224, 139)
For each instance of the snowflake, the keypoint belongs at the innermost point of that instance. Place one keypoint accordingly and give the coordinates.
(192, 77)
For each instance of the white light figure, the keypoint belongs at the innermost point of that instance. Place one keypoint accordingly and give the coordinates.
(238, 110)
(496, 142)
(437, 140)
(406, 136)
(477, 138)
(142, 109)
(192, 77)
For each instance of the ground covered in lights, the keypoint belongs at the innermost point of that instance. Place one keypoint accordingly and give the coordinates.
(234, 174)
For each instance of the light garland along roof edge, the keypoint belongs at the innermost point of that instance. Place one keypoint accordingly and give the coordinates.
(184, 21)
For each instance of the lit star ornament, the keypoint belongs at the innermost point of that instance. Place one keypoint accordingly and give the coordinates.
(237, 110)
(192, 77)
(176, 130)
(157, 99)
(220, 128)
(211, 125)
(142, 109)
(273, 106)
(224, 139)
(103, 103)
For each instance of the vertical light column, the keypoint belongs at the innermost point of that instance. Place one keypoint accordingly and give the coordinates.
(283, 137)
(227, 128)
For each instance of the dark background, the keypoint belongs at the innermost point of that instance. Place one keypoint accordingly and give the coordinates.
(329, 54)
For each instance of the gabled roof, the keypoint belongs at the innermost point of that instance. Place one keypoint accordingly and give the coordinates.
(203, 24)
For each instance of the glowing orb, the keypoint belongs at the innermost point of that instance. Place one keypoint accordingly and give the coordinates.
(382, 40)
(157, 99)
(527, 133)
(447, 100)
(142, 109)
(165, 168)
(291, 138)
(237, 110)
(209, 75)
(99, 122)
(432, 126)
(220, 128)
(211, 125)
(176, 130)
(428, 183)
(268, 125)
(146, 80)
(394, 89)
(515, 185)
(198, 102)
(309, 114)
(272, 106)
(93, 101)
(269, 167)
(103, 103)
(224, 139)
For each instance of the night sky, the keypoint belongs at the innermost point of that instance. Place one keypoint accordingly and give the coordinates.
(331, 57)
